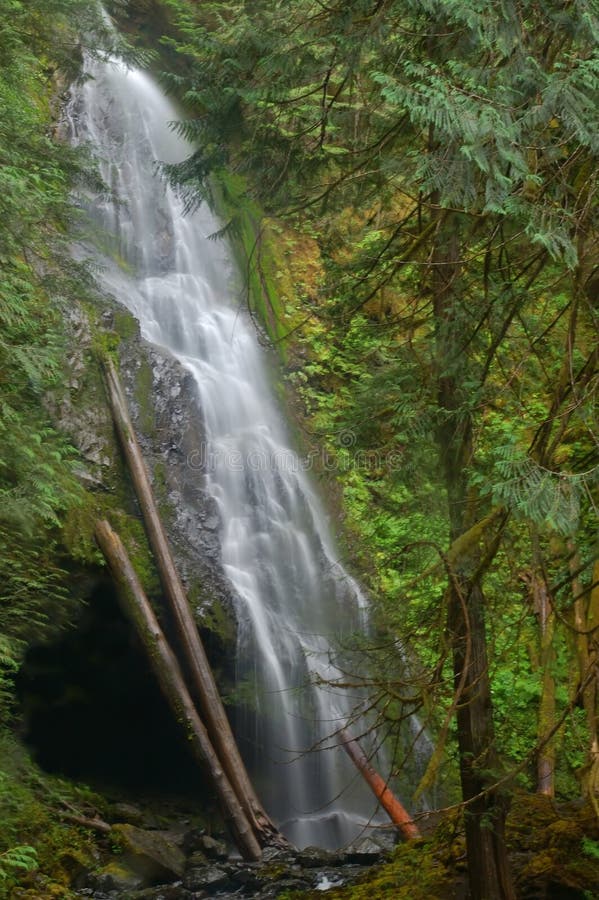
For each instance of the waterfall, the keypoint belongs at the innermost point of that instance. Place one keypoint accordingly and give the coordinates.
(293, 598)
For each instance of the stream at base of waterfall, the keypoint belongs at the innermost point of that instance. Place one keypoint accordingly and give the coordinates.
(295, 603)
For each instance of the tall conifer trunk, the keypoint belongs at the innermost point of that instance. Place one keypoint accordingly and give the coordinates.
(485, 807)
(543, 607)
(585, 616)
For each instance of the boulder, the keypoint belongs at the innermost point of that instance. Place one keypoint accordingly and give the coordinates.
(213, 848)
(197, 860)
(116, 876)
(126, 812)
(366, 851)
(163, 892)
(152, 854)
(316, 858)
(211, 879)
(197, 841)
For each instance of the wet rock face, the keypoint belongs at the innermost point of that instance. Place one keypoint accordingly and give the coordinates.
(164, 408)
(87, 423)
(165, 412)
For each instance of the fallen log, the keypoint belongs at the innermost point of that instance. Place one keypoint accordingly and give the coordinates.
(94, 824)
(164, 664)
(202, 679)
(379, 787)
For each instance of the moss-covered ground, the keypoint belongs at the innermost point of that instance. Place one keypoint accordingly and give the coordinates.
(554, 853)
(36, 811)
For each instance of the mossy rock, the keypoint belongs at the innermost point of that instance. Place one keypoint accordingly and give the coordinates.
(152, 854)
(529, 818)
(125, 324)
(416, 872)
(78, 536)
(284, 265)
(144, 386)
(118, 876)
(216, 619)
(30, 814)
(554, 847)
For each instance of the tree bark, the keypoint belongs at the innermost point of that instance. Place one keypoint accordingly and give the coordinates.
(202, 679)
(94, 824)
(546, 758)
(586, 625)
(543, 665)
(485, 807)
(379, 787)
(172, 684)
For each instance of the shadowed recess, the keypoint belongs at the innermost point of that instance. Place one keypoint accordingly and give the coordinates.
(92, 709)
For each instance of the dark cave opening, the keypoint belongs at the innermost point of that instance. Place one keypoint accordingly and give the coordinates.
(91, 709)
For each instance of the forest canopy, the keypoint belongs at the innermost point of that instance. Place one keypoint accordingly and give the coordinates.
(443, 156)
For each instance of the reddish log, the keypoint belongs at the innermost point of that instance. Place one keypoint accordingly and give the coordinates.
(379, 787)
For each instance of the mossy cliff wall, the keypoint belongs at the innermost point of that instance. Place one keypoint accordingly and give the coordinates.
(167, 420)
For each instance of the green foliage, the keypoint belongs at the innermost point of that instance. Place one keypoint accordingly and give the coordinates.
(20, 857)
(590, 848)
(40, 45)
(443, 154)
(416, 872)
(34, 479)
(38, 849)
(547, 498)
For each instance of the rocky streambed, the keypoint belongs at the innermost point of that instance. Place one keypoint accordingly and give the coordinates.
(191, 865)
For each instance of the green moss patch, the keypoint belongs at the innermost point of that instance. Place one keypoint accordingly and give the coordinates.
(34, 811)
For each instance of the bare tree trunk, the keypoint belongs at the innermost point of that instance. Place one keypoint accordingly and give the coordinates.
(543, 607)
(485, 807)
(204, 686)
(586, 624)
(592, 707)
(379, 787)
(580, 621)
(172, 684)
(546, 758)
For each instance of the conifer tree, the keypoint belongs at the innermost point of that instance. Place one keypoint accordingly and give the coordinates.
(464, 137)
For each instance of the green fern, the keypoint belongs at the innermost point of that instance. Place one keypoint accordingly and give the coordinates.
(23, 858)
(535, 493)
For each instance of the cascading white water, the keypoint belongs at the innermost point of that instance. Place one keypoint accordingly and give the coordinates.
(293, 598)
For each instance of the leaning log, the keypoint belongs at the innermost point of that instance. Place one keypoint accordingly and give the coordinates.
(379, 787)
(202, 679)
(138, 610)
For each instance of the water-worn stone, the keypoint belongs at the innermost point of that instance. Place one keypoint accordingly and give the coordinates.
(116, 876)
(316, 858)
(285, 886)
(366, 851)
(212, 847)
(197, 841)
(126, 812)
(280, 854)
(209, 879)
(152, 854)
(197, 860)
(284, 871)
(162, 892)
(246, 877)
